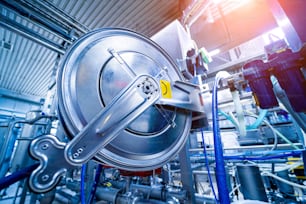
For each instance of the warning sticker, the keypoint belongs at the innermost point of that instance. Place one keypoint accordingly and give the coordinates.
(165, 87)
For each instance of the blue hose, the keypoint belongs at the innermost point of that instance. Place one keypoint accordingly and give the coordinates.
(220, 165)
(255, 125)
(94, 185)
(17, 176)
(83, 173)
(259, 120)
(207, 167)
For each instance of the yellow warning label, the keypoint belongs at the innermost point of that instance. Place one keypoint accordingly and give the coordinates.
(165, 87)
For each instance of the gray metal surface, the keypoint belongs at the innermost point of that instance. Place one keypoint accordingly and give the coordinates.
(95, 70)
(49, 151)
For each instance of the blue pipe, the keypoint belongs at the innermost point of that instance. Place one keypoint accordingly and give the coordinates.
(284, 155)
(83, 173)
(95, 184)
(17, 176)
(259, 120)
(258, 153)
(8, 150)
(255, 125)
(207, 167)
(220, 165)
(228, 117)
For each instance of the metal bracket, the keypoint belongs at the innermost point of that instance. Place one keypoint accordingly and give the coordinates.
(186, 96)
(49, 151)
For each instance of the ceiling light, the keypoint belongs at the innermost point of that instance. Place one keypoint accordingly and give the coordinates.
(214, 52)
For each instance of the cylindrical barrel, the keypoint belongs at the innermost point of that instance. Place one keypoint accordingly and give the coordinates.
(258, 76)
(251, 183)
(288, 71)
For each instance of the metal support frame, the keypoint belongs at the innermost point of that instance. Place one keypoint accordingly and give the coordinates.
(284, 23)
(186, 175)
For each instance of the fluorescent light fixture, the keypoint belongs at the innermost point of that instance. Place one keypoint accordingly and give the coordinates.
(214, 52)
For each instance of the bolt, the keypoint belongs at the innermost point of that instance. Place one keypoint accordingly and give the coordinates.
(76, 155)
(45, 177)
(45, 146)
(80, 150)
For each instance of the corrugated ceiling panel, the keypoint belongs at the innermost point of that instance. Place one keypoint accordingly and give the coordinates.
(27, 67)
(143, 16)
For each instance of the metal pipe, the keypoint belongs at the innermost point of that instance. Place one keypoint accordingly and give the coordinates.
(17, 176)
(37, 18)
(200, 199)
(7, 149)
(9, 24)
(188, 12)
(63, 17)
(201, 172)
(246, 147)
(195, 18)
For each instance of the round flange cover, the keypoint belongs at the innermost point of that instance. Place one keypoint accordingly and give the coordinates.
(94, 70)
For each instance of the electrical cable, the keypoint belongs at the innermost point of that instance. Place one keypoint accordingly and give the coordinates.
(207, 167)
(290, 167)
(274, 134)
(220, 165)
(83, 173)
(265, 173)
(95, 184)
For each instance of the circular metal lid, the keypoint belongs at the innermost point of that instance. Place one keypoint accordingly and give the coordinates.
(95, 69)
